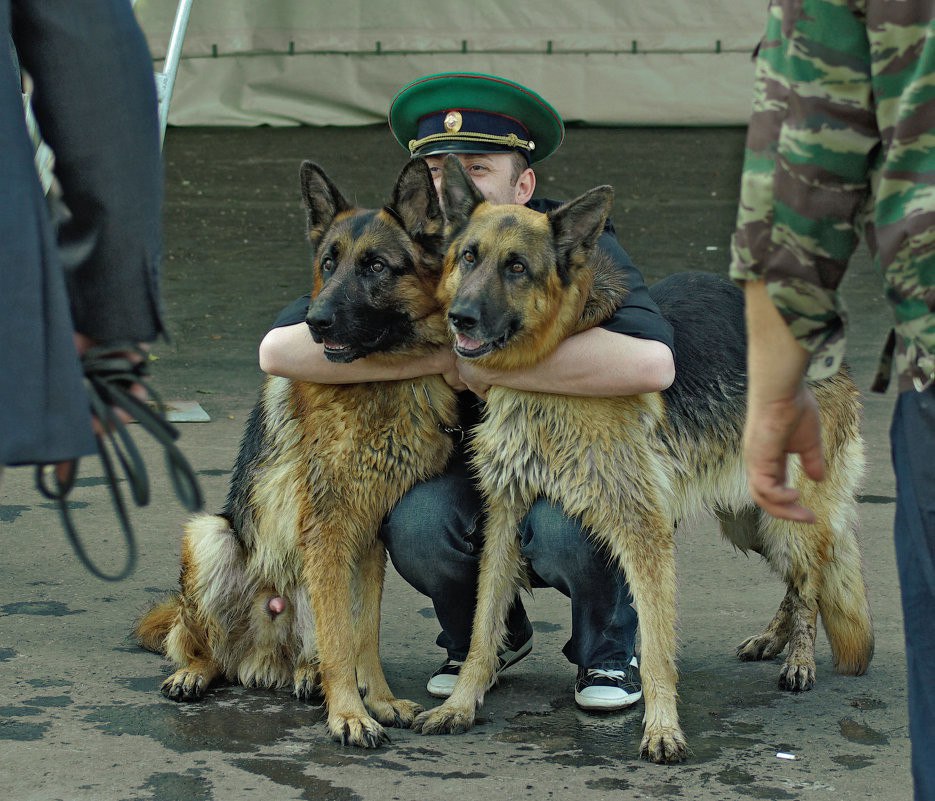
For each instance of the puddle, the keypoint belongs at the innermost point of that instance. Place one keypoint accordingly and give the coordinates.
(43, 608)
(226, 720)
(860, 733)
(291, 774)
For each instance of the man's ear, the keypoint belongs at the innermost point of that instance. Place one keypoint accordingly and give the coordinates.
(323, 201)
(459, 195)
(525, 186)
(577, 224)
(415, 203)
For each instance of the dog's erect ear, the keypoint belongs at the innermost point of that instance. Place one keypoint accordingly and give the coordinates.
(415, 203)
(323, 201)
(577, 224)
(459, 195)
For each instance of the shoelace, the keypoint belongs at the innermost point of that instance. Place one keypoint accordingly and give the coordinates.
(606, 674)
(108, 376)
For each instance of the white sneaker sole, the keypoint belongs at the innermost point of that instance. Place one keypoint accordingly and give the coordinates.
(444, 685)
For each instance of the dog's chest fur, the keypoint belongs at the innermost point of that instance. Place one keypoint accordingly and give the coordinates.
(335, 459)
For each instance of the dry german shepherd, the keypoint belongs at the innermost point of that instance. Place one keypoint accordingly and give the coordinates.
(284, 587)
(516, 284)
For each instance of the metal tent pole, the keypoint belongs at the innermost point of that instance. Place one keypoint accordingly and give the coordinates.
(165, 80)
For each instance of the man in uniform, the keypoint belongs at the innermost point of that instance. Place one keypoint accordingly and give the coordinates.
(499, 129)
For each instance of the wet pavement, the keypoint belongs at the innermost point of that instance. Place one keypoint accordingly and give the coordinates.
(80, 712)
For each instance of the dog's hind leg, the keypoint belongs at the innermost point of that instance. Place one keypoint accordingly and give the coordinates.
(797, 552)
(307, 676)
(742, 529)
(500, 574)
(371, 681)
(774, 639)
(211, 588)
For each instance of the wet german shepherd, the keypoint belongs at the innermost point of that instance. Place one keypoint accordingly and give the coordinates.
(516, 284)
(283, 588)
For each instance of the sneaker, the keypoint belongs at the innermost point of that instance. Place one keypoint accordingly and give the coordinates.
(442, 683)
(601, 690)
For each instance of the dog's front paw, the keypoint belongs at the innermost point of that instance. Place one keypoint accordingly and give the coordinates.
(664, 745)
(397, 712)
(360, 731)
(185, 685)
(444, 719)
(307, 684)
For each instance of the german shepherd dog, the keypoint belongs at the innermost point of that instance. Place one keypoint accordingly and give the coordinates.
(283, 588)
(516, 284)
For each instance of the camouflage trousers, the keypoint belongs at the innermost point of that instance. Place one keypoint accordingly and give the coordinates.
(842, 142)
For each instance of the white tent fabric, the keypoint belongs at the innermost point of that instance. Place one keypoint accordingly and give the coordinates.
(602, 62)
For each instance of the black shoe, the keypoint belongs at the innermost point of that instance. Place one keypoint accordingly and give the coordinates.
(443, 680)
(601, 690)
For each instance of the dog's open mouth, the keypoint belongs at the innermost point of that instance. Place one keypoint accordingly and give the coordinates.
(336, 348)
(473, 348)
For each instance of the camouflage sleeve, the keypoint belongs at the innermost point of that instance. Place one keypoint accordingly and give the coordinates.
(805, 177)
(841, 142)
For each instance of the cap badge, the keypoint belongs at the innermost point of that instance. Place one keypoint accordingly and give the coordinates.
(453, 122)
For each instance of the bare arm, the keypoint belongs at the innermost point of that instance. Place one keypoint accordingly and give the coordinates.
(782, 415)
(291, 352)
(595, 363)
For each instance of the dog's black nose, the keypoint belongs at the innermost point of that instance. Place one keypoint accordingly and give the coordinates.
(319, 324)
(461, 321)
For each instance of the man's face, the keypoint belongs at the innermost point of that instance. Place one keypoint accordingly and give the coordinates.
(492, 174)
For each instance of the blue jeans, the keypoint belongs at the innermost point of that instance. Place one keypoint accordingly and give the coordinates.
(434, 538)
(912, 435)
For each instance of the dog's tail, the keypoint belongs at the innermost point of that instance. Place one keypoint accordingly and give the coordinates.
(842, 599)
(844, 608)
(153, 627)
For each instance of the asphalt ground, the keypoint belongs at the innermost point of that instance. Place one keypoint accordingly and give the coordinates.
(81, 716)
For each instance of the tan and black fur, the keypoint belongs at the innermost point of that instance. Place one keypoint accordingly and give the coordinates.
(516, 284)
(318, 469)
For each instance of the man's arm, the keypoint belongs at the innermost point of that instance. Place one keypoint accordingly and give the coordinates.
(290, 351)
(596, 363)
(782, 414)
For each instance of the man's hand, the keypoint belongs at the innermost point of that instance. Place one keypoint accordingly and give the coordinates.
(476, 378)
(83, 344)
(782, 414)
(771, 433)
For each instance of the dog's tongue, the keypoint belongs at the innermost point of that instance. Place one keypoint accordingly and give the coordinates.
(466, 343)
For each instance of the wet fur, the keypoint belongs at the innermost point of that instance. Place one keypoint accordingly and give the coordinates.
(318, 469)
(632, 467)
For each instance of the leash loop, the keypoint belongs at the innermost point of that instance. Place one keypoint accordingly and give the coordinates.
(109, 374)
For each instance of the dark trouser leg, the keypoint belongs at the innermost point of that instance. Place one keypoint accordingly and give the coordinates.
(913, 440)
(603, 627)
(434, 539)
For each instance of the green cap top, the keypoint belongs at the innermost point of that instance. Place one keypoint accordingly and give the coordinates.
(467, 112)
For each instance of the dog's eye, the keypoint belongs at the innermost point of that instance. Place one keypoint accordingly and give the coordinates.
(377, 266)
(327, 264)
(468, 257)
(517, 268)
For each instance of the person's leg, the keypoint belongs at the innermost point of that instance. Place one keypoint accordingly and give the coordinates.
(434, 539)
(603, 630)
(913, 440)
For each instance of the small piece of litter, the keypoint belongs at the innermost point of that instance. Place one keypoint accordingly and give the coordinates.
(784, 755)
(182, 411)
(711, 247)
